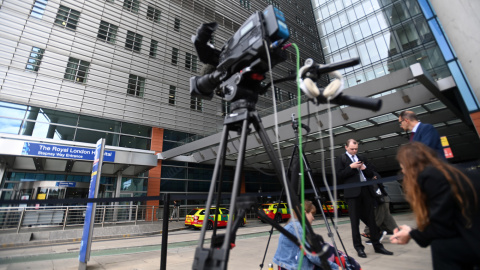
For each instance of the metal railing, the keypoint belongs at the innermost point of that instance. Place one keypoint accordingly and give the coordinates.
(19, 218)
(63, 217)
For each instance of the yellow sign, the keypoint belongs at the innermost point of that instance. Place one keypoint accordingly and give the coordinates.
(444, 141)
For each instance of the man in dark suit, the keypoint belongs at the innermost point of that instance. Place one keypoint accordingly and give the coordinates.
(353, 169)
(421, 132)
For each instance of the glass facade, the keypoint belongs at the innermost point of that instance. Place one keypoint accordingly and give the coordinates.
(387, 35)
(51, 124)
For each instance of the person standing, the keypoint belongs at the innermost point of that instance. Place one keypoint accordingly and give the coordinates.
(421, 132)
(352, 169)
(445, 202)
(176, 210)
(384, 220)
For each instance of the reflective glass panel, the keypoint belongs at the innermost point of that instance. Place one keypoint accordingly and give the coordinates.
(362, 50)
(374, 25)
(348, 36)
(359, 11)
(333, 43)
(135, 129)
(372, 50)
(328, 26)
(357, 33)
(365, 28)
(367, 7)
(12, 110)
(381, 46)
(57, 117)
(134, 142)
(351, 15)
(343, 19)
(88, 136)
(10, 126)
(336, 23)
(382, 21)
(341, 40)
(97, 123)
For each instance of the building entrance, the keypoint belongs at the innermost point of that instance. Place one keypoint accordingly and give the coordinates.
(47, 190)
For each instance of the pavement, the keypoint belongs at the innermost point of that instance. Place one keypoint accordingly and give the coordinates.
(143, 252)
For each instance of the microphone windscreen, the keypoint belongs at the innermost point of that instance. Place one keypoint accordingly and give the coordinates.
(207, 69)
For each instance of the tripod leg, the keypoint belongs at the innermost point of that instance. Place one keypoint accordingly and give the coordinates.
(236, 181)
(216, 171)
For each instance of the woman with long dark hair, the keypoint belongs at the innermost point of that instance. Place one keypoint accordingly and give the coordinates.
(445, 203)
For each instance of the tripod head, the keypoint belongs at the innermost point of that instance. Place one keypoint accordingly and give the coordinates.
(295, 125)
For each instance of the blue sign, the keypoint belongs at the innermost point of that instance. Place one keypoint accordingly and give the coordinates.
(84, 253)
(65, 184)
(62, 151)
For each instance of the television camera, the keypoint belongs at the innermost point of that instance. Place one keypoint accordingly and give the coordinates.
(236, 71)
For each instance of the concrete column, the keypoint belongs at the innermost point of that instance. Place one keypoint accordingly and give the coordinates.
(29, 126)
(118, 188)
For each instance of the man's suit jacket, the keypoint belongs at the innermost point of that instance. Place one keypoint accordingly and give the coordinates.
(428, 135)
(347, 175)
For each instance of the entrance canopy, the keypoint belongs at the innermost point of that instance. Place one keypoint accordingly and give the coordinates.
(47, 155)
(378, 132)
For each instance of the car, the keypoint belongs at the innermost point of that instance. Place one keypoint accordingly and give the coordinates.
(342, 208)
(276, 211)
(396, 196)
(196, 217)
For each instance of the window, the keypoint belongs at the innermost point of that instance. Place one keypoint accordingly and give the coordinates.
(196, 103)
(153, 48)
(38, 8)
(77, 70)
(225, 107)
(67, 17)
(171, 95)
(131, 5)
(136, 85)
(174, 56)
(191, 62)
(278, 94)
(153, 14)
(292, 99)
(176, 25)
(245, 4)
(134, 41)
(107, 32)
(35, 59)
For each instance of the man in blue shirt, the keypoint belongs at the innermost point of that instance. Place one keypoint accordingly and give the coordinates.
(421, 132)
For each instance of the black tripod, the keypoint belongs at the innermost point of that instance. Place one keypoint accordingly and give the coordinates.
(243, 114)
(293, 172)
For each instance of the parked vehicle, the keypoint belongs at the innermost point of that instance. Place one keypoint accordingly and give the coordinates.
(276, 211)
(196, 217)
(342, 208)
(396, 195)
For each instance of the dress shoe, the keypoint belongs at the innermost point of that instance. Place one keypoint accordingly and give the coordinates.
(361, 253)
(383, 251)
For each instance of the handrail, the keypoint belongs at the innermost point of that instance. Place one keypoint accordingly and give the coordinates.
(32, 218)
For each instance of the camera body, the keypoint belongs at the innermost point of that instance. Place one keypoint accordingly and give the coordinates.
(246, 49)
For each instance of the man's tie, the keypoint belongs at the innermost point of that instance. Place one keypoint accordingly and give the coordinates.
(362, 177)
(411, 135)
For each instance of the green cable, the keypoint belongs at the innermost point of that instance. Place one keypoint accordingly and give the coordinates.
(300, 154)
